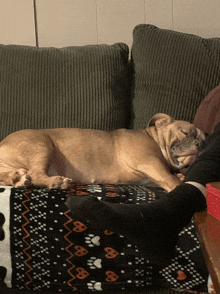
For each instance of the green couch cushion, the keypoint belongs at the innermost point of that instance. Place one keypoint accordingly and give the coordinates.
(82, 86)
(173, 72)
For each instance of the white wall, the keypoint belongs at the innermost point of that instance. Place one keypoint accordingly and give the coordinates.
(79, 22)
(17, 22)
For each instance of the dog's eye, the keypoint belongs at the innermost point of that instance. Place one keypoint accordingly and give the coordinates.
(185, 133)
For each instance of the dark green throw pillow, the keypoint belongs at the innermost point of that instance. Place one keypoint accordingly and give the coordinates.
(173, 72)
(82, 86)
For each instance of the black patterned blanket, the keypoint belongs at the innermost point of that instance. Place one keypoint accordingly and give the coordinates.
(43, 247)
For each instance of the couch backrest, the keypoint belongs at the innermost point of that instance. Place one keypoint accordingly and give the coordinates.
(83, 87)
(174, 72)
(97, 87)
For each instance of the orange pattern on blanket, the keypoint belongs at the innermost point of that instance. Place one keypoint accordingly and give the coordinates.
(69, 282)
(79, 227)
(80, 250)
(110, 253)
(111, 276)
(181, 276)
(25, 238)
(112, 194)
(82, 273)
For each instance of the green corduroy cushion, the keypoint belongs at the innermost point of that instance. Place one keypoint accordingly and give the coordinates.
(82, 86)
(173, 72)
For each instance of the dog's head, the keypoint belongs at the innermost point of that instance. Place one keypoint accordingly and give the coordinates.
(179, 140)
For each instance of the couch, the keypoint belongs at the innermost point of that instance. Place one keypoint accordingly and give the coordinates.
(42, 246)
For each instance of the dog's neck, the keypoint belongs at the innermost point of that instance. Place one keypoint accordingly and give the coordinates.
(153, 133)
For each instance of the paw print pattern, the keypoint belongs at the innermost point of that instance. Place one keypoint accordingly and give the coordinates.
(94, 286)
(94, 262)
(92, 240)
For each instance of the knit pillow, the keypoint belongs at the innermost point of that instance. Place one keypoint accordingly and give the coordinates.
(173, 72)
(82, 86)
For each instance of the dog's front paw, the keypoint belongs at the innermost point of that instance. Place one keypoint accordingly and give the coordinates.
(180, 176)
(59, 182)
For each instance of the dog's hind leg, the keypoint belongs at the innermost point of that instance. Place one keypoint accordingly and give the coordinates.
(53, 182)
(40, 178)
(26, 157)
(39, 169)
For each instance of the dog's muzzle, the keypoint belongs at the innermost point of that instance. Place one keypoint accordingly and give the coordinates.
(179, 150)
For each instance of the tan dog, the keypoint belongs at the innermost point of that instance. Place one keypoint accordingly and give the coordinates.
(56, 158)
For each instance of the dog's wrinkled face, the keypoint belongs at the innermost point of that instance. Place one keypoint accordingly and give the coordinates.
(183, 147)
(179, 140)
(184, 152)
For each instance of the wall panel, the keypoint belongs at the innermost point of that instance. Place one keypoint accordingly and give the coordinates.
(17, 22)
(116, 20)
(201, 17)
(66, 22)
(80, 22)
(159, 13)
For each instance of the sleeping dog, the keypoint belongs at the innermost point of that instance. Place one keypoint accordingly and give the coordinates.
(57, 158)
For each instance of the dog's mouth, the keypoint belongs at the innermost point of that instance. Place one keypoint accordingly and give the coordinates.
(184, 152)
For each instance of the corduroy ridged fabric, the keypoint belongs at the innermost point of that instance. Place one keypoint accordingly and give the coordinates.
(173, 72)
(81, 86)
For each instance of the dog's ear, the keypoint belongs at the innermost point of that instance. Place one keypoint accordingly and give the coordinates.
(160, 119)
(200, 135)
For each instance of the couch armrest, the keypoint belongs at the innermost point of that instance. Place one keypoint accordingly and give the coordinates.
(208, 230)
